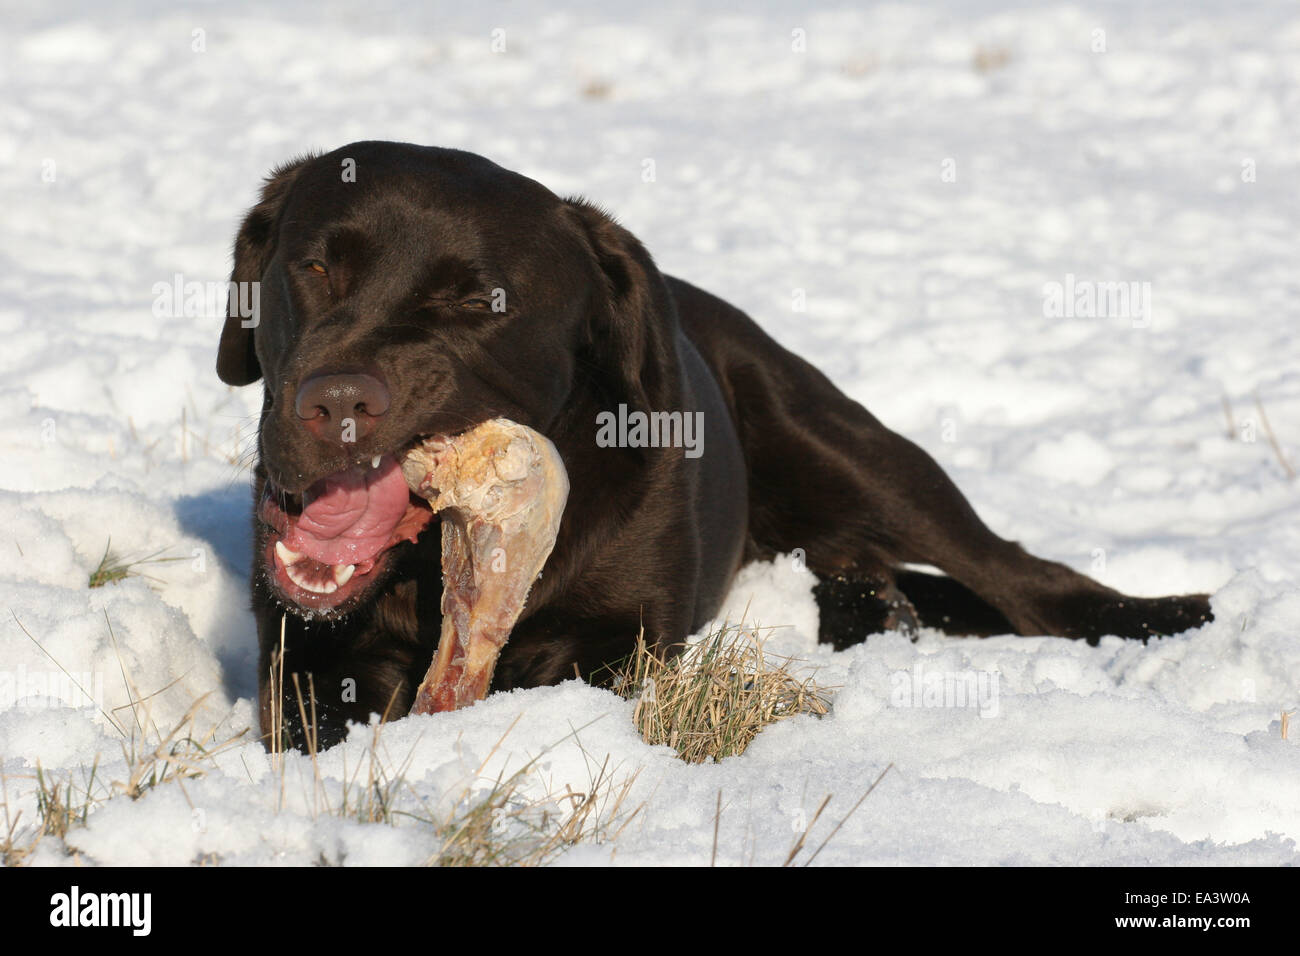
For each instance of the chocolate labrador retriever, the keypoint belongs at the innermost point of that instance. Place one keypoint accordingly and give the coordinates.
(409, 291)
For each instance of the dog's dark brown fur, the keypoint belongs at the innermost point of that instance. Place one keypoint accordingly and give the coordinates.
(384, 279)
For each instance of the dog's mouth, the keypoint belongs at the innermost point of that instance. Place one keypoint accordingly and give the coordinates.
(500, 489)
(328, 545)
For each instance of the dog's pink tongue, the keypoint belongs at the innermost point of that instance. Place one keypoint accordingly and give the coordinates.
(350, 516)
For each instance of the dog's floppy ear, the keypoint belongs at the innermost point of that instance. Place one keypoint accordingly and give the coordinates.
(632, 333)
(254, 247)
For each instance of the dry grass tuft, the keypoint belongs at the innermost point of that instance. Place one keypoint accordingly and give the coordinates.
(990, 59)
(114, 568)
(712, 700)
(1272, 440)
(597, 89)
(502, 826)
(60, 807)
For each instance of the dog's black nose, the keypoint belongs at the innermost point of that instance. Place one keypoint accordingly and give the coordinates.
(341, 409)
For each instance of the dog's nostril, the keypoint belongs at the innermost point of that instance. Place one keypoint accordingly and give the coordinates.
(334, 399)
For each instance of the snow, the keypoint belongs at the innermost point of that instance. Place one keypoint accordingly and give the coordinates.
(882, 205)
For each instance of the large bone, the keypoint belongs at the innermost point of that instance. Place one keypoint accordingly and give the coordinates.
(501, 489)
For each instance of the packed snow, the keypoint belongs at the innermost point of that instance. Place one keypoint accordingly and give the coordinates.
(903, 194)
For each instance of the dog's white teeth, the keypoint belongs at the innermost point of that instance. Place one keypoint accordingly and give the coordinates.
(342, 573)
(374, 462)
(287, 557)
(300, 579)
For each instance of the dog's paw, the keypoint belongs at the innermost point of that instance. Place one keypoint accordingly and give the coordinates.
(1138, 618)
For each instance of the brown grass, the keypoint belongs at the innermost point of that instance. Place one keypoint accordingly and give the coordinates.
(712, 700)
(504, 827)
(1272, 440)
(114, 568)
(990, 59)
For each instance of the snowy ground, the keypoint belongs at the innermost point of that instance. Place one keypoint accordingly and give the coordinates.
(923, 175)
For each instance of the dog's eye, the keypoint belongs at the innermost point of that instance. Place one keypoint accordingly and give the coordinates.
(316, 266)
(448, 304)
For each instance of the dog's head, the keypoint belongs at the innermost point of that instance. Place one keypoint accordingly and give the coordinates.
(386, 292)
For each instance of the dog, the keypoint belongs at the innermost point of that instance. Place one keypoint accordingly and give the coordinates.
(406, 291)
